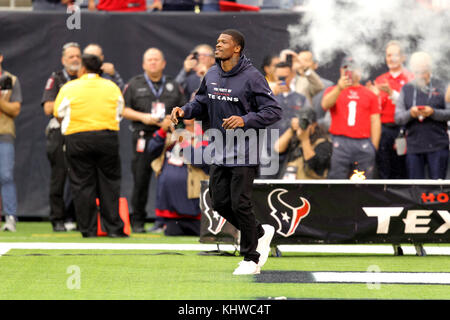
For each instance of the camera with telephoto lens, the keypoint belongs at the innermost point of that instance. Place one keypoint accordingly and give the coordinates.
(304, 123)
(5, 83)
(306, 117)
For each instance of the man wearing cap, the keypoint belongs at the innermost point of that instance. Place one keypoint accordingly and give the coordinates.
(90, 109)
(355, 123)
(62, 213)
(10, 103)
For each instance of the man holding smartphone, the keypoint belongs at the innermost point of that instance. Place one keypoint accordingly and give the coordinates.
(355, 123)
(422, 109)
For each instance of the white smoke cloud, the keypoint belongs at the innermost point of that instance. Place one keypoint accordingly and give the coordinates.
(363, 27)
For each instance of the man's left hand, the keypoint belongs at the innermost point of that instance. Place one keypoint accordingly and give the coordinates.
(233, 122)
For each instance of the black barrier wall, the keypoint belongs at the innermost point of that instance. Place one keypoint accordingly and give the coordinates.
(320, 212)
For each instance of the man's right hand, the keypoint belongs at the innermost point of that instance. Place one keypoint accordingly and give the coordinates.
(190, 63)
(177, 112)
(344, 81)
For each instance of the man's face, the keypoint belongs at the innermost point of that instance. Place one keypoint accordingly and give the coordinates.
(306, 60)
(285, 73)
(94, 50)
(394, 58)
(353, 72)
(153, 62)
(205, 56)
(422, 74)
(226, 47)
(71, 59)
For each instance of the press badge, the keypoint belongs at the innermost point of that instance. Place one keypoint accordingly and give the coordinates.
(290, 174)
(400, 143)
(400, 146)
(174, 156)
(158, 110)
(140, 145)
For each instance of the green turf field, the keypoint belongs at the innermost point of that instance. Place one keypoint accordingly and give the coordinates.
(186, 275)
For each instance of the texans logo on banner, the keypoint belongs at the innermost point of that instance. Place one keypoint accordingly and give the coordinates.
(216, 221)
(288, 217)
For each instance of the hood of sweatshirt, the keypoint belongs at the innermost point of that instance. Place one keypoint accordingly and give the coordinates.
(242, 64)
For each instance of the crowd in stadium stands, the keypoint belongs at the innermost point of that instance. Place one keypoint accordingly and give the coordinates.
(327, 131)
(166, 5)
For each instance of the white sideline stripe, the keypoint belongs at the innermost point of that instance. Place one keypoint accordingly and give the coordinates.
(3, 251)
(384, 277)
(361, 249)
(112, 246)
(355, 249)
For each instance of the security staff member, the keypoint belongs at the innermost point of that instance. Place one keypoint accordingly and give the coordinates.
(149, 98)
(62, 212)
(90, 109)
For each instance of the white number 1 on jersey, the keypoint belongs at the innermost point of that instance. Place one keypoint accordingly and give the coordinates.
(351, 120)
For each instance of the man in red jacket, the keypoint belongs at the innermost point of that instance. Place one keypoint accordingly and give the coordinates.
(387, 87)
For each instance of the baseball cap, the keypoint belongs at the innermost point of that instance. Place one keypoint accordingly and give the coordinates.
(348, 62)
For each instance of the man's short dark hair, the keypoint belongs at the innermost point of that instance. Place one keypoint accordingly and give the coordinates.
(267, 60)
(92, 63)
(237, 36)
(283, 64)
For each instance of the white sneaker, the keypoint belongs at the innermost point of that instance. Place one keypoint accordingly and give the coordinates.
(264, 244)
(10, 224)
(70, 226)
(247, 267)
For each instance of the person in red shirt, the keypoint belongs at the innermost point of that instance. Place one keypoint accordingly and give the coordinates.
(387, 86)
(123, 5)
(355, 123)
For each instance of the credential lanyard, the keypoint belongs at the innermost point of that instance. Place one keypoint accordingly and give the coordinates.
(430, 92)
(66, 75)
(152, 87)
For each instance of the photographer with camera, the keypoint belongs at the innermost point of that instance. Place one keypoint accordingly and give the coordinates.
(178, 176)
(291, 103)
(10, 103)
(355, 123)
(307, 146)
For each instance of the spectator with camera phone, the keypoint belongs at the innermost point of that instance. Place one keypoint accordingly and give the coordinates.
(306, 81)
(308, 148)
(355, 123)
(422, 109)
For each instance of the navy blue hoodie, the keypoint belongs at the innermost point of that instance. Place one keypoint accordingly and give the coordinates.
(243, 91)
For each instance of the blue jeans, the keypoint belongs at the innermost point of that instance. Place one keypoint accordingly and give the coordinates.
(7, 185)
(437, 163)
